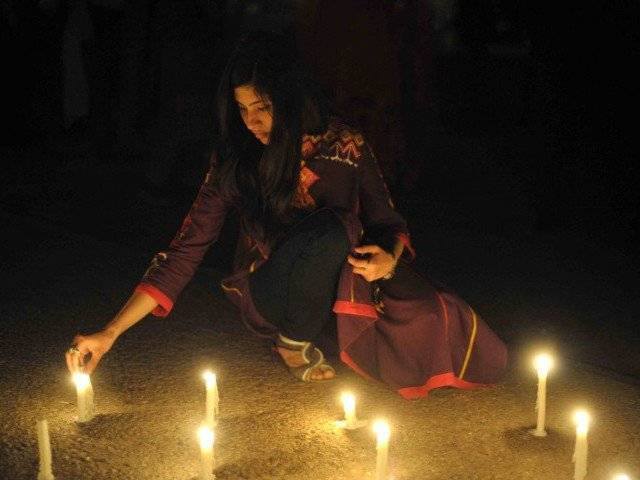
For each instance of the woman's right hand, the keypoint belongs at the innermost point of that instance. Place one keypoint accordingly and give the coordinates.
(87, 350)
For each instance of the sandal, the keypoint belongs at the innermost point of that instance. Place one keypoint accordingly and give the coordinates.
(312, 355)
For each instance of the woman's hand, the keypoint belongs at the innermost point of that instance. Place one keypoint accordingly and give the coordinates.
(377, 264)
(89, 348)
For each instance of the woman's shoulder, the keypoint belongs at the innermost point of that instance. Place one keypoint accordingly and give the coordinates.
(339, 130)
(340, 142)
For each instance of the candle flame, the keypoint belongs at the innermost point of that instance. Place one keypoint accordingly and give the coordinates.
(381, 428)
(621, 476)
(349, 401)
(81, 380)
(543, 363)
(209, 378)
(206, 437)
(582, 419)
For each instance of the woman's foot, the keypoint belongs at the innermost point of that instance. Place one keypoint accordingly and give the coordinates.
(294, 359)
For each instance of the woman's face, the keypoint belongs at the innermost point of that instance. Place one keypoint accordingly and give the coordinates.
(256, 112)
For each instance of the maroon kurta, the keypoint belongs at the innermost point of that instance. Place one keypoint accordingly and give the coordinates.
(414, 345)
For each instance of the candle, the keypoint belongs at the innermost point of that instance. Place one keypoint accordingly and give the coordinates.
(349, 404)
(543, 363)
(350, 421)
(382, 448)
(84, 392)
(582, 420)
(44, 448)
(211, 384)
(621, 476)
(206, 437)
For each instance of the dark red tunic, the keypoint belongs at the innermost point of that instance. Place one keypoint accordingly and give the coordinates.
(413, 345)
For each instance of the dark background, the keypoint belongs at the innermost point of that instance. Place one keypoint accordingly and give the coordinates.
(516, 122)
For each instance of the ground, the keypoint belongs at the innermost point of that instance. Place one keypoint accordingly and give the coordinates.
(150, 398)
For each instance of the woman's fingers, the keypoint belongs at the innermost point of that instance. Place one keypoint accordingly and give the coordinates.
(71, 363)
(366, 274)
(373, 269)
(88, 350)
(377, 264)
(92, 363)
(358, 262)
(367, 249)
(74, 360)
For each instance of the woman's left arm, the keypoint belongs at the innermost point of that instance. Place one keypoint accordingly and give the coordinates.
(386, 234)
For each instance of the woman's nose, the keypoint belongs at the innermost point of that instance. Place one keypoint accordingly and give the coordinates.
(253, 119)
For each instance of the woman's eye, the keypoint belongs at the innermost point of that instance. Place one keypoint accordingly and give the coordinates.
(265, 108)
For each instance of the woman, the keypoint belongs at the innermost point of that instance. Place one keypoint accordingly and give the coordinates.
(309, 196)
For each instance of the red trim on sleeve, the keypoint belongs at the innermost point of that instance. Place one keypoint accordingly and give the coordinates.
(404, 238)
(443, 380)
(352, 308)
(165, 304)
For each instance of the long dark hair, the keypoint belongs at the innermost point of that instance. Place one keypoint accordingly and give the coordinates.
(262, 180)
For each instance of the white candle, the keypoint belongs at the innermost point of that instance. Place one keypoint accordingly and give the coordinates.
(213, 398)
(84, 392)
(44, 448)
(543, 364)
(350, 421)
(206, 437)
(582, 420)
(382, 448)
(349, 404)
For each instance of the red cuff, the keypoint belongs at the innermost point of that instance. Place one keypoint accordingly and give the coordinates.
(352, 308)
(165, 304)
(404, 238)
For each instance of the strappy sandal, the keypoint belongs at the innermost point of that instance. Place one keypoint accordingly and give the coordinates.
(313, 357)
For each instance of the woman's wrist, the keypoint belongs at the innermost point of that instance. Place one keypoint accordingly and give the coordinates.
(112, 331)
(114, 328)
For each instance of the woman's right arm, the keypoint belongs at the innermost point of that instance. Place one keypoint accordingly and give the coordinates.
(97, 344)
(169, 272)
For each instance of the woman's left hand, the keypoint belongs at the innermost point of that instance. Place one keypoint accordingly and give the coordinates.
(377, 264)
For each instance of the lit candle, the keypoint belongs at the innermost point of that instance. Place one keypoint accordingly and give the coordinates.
(84, 392)
(211, 384)
(582, 420)
(349, 404)
(44, 448)
(382, 447)
(206, 437)
(543, 363)
(621, 476)
(350, 421)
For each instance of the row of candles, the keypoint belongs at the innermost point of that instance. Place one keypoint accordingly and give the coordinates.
(542, 362)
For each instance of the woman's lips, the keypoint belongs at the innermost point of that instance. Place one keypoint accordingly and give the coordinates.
(261, 135)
